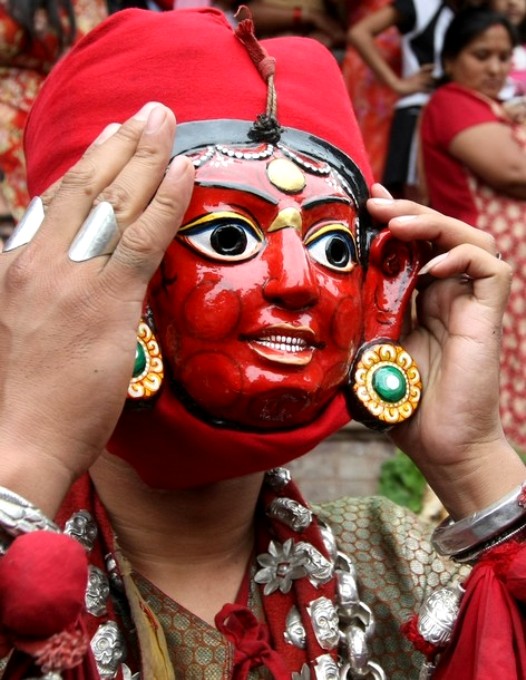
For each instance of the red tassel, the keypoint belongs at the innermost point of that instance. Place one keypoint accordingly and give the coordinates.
(251, 642)
(410, 630)
(265, 64)
(62, 651)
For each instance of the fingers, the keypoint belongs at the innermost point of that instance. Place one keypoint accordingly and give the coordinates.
(409, 221)
(458, 252)
(136, 183)
(124, 165)
(143, 244)
(127, 167)
(476, 266)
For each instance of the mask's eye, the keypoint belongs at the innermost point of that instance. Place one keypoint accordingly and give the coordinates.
(333, 246)
(223, 236)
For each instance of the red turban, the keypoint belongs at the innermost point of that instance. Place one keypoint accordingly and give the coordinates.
(191, 61)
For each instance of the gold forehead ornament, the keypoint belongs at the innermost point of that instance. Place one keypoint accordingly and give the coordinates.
(285, 175)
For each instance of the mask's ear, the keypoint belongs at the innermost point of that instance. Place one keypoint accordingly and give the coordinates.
(384, 384)
(389, 281)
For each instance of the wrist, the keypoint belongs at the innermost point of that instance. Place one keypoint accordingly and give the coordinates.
(43, 479)
(481, 479)
(399, 87)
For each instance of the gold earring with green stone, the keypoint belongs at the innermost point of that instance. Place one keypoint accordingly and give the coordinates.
(386, 385)
(148, 370)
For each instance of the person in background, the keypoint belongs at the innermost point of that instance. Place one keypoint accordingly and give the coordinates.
(513, 94)
(515, 10)
(421, 24)
(474, 160)
(181, 317)
(160, 5)
(35, 34)
(315, 19)
(228, 7)
(372, 99)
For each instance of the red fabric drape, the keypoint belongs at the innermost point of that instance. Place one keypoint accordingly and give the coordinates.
(489, 640)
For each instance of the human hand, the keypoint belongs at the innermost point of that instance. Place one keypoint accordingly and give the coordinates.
(68, 329)
(515, 109)
(421, 81)
(455, 437)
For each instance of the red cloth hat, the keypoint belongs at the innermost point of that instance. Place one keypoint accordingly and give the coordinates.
(191, 61)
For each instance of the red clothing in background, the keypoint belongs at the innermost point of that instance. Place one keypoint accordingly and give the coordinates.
(451, 110)
(23, 66)
(454, 190)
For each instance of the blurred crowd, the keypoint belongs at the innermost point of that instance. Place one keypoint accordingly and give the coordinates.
(439, 90)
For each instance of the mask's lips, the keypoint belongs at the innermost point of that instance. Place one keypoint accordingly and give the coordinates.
(285, 344)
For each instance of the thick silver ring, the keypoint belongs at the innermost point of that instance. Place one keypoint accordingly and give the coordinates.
(28, 225)
(98, 234)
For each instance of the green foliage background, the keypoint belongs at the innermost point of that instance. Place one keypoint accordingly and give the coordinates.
(402, 482)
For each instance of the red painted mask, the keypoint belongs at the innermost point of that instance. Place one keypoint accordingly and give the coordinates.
(258, 304)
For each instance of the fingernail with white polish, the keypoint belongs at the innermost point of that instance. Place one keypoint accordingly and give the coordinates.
(432, 263)
(143, 114)
(179, 166)
(382, 201)
(155, 119)
(403, 219)
(108, 132)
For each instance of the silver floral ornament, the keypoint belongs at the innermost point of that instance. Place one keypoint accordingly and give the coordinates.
(128, 675)
(280, 567)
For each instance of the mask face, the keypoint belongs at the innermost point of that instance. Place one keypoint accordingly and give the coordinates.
(258, 301)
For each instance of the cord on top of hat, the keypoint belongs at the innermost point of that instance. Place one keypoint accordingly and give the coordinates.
(266, 127)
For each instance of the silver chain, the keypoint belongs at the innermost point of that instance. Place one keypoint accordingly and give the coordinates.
(356, 625)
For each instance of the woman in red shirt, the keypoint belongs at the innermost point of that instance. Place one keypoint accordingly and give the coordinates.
(474, 161)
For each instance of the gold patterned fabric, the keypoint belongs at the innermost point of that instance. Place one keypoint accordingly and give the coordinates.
(197, 650)
(397, 567)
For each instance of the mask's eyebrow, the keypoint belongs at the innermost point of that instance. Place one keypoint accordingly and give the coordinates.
(319, 200)
(245, 188)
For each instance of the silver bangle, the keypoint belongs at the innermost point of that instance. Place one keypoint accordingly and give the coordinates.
(18, 516)
(482, 527)
(471, 556)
